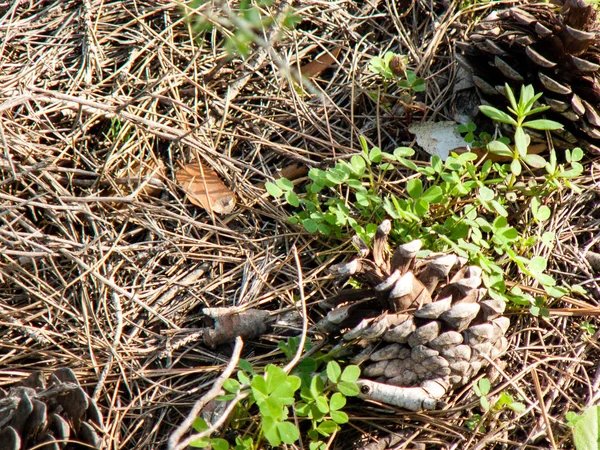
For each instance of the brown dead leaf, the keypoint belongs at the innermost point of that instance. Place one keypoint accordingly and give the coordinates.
(204, 188)
(322, 62)
(291, 172)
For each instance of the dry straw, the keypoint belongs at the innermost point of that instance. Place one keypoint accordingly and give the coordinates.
(104, 267)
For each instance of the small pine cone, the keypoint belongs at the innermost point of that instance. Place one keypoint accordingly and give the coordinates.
(424, 326)
(554, 48)
(36, 412)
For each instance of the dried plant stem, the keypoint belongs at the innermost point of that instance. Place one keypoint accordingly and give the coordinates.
(289, 366)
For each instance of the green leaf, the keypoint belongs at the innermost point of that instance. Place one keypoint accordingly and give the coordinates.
(436, 163)
(245, 365)
(543, 124)
(576, 154)
(375, 155)
(499, 148)
(419, 85)
(294, 383)
(414, 188)
(273, 189)
(199, 424)
(291, 19)
(259, 388)
(302, 409)
(339, 417)
(292, 199)
(284, 184)
(327, 427)
(231, 385)
(288, 432)
(433, 195)
(349, 389)
(275, 377)
(336, 176)
(510, 96)
(515, 167)
(536, 161)
(543, 213)
(269, 428)
(586, 432)
(537, 264)
(350, 373)
(484, 386)
(517, 407)
(521, 141)
(572, 418)
(358, 164)
(333, 371)
(486, 194)
(318, 445)
(310, 225)
(485, 404)
(322, 404)
(316, 387)
(271, 407)
(403, 152)
(200, 443)
(337, 401)
(497, 115)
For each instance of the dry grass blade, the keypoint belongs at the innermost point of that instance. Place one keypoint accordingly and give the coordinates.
(204, 188)
(104, 270)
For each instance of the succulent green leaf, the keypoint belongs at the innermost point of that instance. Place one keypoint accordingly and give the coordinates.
(497, 115)
(535, 161)
(515, 167)
(543, 124)
(521, 141)
(499, 148)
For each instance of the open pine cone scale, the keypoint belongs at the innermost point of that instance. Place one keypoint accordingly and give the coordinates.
(422, 327)
(49, 415)
(556, 48)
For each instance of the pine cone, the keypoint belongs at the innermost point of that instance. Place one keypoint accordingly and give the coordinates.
(34, 413)
(554, 48)
(425, 326)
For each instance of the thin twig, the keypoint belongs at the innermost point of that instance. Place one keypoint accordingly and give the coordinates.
(175, 438)
(289, 366)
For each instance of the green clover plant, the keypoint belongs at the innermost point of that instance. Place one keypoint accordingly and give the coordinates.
(310, 393)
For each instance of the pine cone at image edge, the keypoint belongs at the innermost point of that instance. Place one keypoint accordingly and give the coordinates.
(554, 47)
(35, 412)
(420, 328)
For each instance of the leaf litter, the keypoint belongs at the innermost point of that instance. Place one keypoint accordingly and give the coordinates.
(98, 278)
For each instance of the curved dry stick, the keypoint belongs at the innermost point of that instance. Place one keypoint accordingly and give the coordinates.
(298, 354)
(175, 438)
